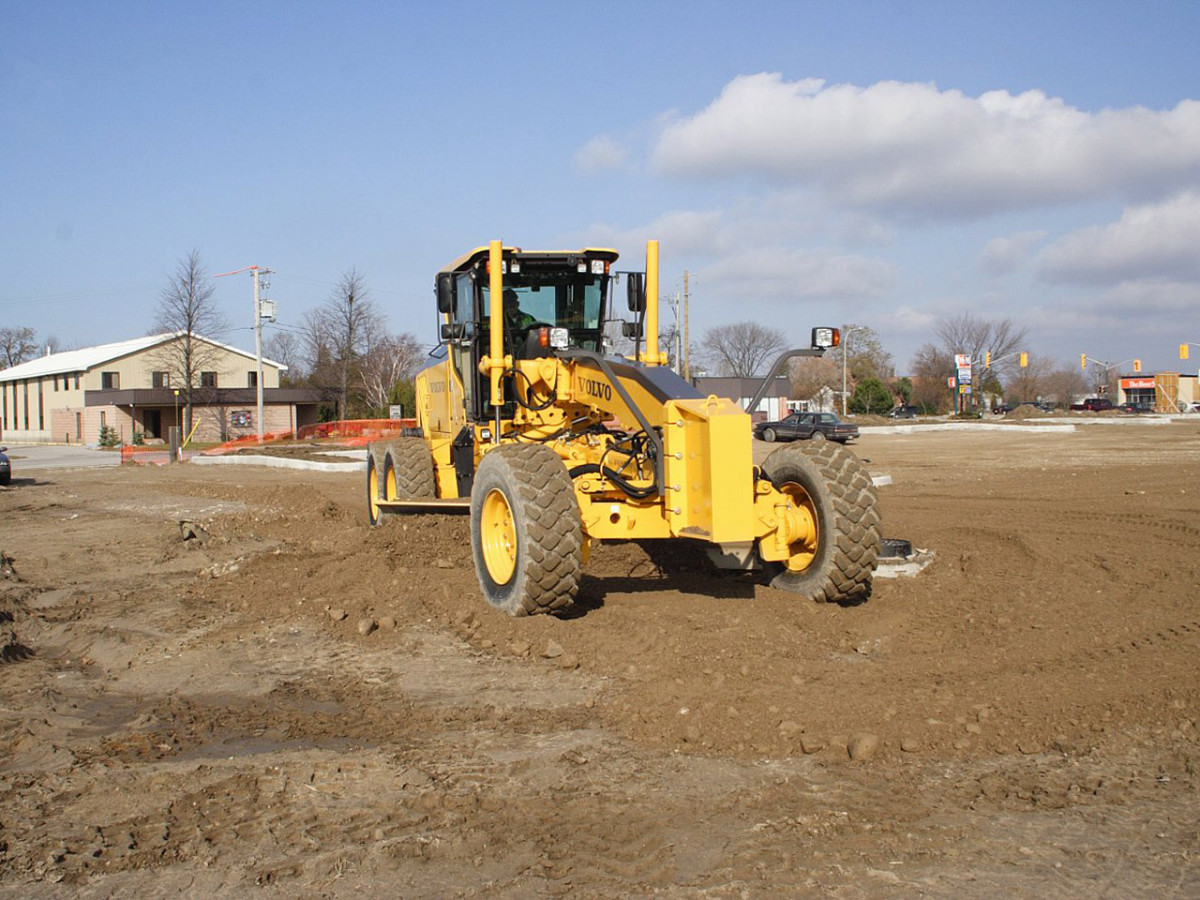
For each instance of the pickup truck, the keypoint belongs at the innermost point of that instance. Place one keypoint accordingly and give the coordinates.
(1093, 404)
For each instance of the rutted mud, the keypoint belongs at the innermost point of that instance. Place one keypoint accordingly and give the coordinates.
(219, 679)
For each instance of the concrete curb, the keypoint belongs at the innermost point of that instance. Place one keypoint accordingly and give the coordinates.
(966, 426)
(279, 462)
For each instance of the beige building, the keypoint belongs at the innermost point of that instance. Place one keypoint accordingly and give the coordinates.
(130, 387)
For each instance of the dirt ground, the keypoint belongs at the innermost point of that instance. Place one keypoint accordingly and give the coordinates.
(220, 680)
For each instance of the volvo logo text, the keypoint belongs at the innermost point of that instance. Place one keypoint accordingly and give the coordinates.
(600, 389)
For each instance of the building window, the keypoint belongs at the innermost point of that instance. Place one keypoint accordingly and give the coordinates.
(208, 379)
(160, 379)
(54, 378)
(41, 409)
(110, 381)
(76, 381)
(252, 379)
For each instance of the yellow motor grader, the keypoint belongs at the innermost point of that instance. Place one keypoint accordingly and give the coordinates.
(556, 446)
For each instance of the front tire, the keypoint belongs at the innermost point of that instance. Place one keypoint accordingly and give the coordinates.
(769, 435)
(526, 530)
(836, 488)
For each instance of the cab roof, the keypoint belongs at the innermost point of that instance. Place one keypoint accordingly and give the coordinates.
(468, 260)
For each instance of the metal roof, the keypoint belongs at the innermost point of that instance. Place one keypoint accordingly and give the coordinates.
(69, 361)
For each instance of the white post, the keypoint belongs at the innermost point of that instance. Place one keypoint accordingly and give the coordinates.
(845, 351)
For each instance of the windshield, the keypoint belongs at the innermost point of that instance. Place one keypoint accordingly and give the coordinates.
(569, 300)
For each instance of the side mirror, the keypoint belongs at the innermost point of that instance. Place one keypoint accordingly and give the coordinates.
(635, 290)
(454, 331)
(445, 292)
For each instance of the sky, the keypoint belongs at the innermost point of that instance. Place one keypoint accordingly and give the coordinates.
(886, 164)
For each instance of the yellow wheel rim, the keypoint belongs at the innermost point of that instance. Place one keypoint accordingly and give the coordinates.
(498, 536)
(389, 485)
(802, 553)
(373, 493)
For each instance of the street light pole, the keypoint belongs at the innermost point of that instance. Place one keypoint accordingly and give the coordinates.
(845, 352)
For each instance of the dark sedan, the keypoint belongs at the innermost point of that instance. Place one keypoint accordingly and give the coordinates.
(5, 467)
(807, 426)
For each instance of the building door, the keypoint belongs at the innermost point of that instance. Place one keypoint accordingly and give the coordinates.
(79, 426)
(152, 422)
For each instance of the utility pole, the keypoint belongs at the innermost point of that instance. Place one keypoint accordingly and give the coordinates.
(687, 342)
(258, 274)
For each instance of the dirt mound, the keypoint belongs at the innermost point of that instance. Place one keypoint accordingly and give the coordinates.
(1027, 412)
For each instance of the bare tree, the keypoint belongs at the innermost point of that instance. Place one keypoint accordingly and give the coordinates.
(814, 378)
(932, 366)
(338, 335)
(865, 356)
(17, 345)
(977, 337)
(186, 308)
(1064, 385)
(284, 347)
(390, 360)
(741, 349)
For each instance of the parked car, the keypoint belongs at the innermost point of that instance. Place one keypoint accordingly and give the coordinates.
(5, 467)
(904, 412)
(1093, 404)
(1136, 408)
(806, 426)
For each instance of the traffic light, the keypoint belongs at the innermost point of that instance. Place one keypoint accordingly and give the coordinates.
(1024, 360)
(987, 359)
(1137, 365)
(1183, 351)
(1083, 361)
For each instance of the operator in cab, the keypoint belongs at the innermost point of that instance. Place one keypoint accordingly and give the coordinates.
(515, 317)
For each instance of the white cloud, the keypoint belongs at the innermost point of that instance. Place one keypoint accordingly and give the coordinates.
(780, 273)
(680, 232)
(912, 148)
(600, 154)
(1006, 254)
(1157, 241)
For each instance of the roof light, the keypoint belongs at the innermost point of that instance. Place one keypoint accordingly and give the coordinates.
(598, 266)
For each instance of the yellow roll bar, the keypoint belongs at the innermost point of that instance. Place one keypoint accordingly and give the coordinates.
(496, 292)
(652, 357)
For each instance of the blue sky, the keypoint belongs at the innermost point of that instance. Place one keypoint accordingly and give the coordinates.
(879, 163)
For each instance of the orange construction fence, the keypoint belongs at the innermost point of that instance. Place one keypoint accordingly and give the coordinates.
(358, 430)
(348, 432)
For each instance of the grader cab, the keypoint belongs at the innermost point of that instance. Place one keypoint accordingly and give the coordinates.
(557, 446)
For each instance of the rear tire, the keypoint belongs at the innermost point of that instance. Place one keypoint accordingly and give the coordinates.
(526, 530)
(818, 436)
(376, 461)
(836, 487)
(409, 470)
